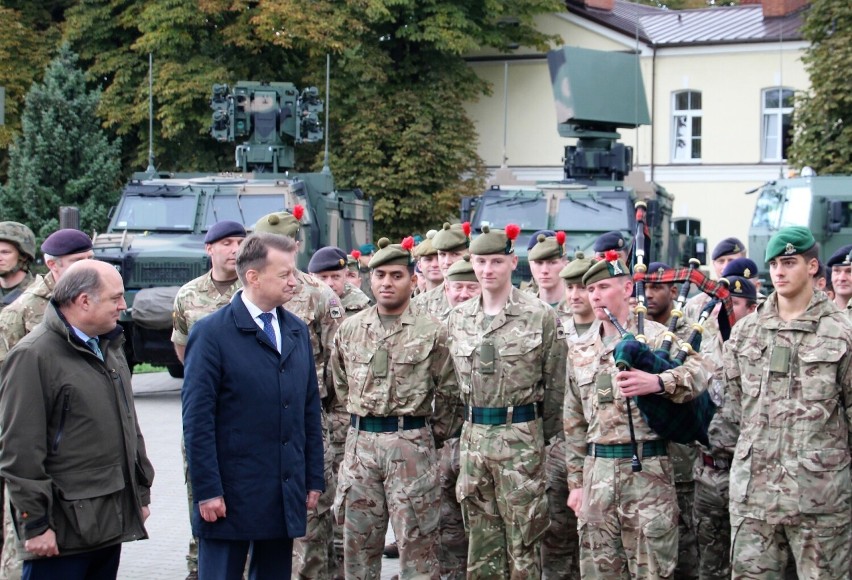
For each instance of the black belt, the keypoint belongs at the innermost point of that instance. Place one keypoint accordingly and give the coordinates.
(710, 461)
(386, 424)
(655, 448)
(503, 415)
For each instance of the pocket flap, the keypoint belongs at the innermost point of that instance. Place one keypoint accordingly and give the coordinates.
(824, 459)
(412, 355)
(462, 349)
(89, 483)
(658, 526)
(828, 351)
(521, 346)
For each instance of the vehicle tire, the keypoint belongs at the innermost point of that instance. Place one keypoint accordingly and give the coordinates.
(175, 370)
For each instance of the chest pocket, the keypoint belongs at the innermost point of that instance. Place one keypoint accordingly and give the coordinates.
(358, 368)
(818, 369)
(410, 368)
(462, 353)
(752, 363)
(513, 353)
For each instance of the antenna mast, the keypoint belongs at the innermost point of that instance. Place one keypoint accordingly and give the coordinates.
(151, 170)
(325, 168)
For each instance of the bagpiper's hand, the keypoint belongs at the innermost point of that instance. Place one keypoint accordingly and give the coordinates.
(635, 382)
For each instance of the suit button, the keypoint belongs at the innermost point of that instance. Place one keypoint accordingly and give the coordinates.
(286, 405)
(284, 443)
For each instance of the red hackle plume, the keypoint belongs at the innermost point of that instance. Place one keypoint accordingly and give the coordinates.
(560, 238)
(298, 212)
(611, 255)
(512, 231)
(408, 243)
(466, 229)
(355, 254)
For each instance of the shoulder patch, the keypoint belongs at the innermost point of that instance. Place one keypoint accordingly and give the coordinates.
(335, 312)
(560, 331)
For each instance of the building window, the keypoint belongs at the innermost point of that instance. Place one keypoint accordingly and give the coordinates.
(686, 126)
(777, 105)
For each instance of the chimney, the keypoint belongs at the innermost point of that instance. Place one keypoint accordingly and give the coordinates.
(607, 5)
(774, 8)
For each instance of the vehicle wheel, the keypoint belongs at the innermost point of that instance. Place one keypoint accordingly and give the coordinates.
(175, 370)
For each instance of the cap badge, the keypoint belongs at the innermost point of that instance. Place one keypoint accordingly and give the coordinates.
(747, 273)
(789, 249)
(738, 287)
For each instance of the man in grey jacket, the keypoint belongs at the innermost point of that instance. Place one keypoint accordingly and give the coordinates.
(71, 451)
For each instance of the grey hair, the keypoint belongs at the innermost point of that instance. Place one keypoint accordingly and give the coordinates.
(253, 251)
(76, 282)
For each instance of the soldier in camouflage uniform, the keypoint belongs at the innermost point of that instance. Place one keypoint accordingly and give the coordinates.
(450, 243)
(17, 254)
(560, 546)
(390, 366)
(840, 264)
(788, 373)
(510, 355)
(712, 467)
(353, 276)
(427, 263)
(320, 308)
(61, 249)
(365, 252)
(660, 299)
(330, 265)
(627, 520)
(197, 299)
(582, 317)
(724, 253)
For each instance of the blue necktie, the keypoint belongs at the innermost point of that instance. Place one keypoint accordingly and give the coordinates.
(266, 317)
(93, 344)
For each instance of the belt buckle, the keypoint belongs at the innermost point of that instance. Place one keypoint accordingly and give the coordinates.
(400, 421)
(510, 413)
(357, 422)
(470, 413)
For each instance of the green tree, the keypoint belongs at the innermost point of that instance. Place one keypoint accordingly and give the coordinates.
(63, 156)
(822, 118)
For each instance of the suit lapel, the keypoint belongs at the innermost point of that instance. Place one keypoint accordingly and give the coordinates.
(288, 334)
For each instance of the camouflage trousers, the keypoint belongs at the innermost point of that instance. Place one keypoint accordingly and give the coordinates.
(453, 554)
(820, 548)
(628, 521)
(389, 476)
(192, 549)
(560, 545)
(712, 522)
(687, 544)
(501, 489)
(338, 423)
(11, 566)
(313, 554)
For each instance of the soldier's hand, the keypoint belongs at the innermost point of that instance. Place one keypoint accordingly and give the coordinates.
(212, 509)
(575, 500)
(146, 511)
(313, 499)
(43, 545)
(635, 382)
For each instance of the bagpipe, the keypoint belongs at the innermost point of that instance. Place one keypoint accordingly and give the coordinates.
(678, 422)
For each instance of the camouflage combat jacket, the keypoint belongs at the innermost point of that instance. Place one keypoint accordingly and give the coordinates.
(789, 395)
(320, 308)
(528, 353)
(19, 318)
(195, 300)
(433, 302)
(9, 295)
(395, 372)
(596, 412)
(570, 329)
(563, 311)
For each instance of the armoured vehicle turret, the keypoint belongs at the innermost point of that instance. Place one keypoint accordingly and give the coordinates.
(156, 231)
(596, 93)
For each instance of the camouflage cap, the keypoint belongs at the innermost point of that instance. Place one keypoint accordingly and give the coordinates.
(573, 273)
(841, 257)
(20, 236)
(742, 287)
(452, 238)
(743, 267)
(727, 247)
(610, 267)
(282, 223)
(462, 271)
(390, 254)
(790, 241)
(495, 241)
(426, 247)
(548, 247)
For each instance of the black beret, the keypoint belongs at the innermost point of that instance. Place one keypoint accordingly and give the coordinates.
(743, 267)
(534, 238)
(655, 267)
(839, 258)
(742, 287)
(609, 241)
(65, 242)
(728, 246)
(224, 229)
(326, 259)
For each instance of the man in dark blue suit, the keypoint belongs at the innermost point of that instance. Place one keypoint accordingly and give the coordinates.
(251, 421)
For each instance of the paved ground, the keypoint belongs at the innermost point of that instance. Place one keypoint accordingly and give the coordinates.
(162, 557)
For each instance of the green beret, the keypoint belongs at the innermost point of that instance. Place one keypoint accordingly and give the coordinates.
(604, 269)
(390, 254)
(495, 241)
(548, 247)
(451, 238)
(790, 241)
(462, 271)
(426, 247)
(574, 271)
(281, 222)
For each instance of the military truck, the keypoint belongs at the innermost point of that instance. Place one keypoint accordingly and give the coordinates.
(822, 204)
(156, 231)
(600, 187)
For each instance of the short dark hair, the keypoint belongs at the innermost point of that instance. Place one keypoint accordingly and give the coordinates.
(253, 251)
(76, 282)
(812, 253)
